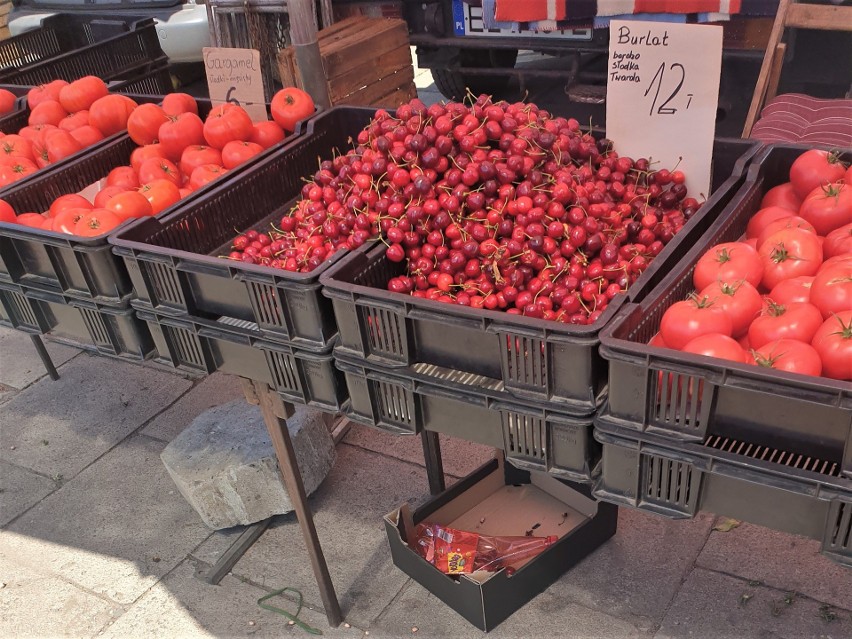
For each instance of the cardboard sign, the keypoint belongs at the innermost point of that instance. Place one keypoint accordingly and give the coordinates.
(234, 75)
(662, 94)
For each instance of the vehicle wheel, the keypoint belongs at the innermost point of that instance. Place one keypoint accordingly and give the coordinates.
(453, 85)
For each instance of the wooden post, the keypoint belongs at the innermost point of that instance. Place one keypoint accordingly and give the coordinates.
(303, 36)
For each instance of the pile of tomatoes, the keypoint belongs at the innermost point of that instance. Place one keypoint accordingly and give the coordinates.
(781, 297)
(178, 153)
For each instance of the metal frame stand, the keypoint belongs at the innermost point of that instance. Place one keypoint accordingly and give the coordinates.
(44, 356)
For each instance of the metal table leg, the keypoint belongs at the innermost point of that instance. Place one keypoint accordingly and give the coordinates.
(234, 553)
(275, 413)
(434, 464)
(45, 357)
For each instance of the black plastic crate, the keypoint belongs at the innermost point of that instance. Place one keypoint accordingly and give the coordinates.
(174, 262)
(85, 268)
(68, 47)
(532, 437)
(302, 377)
(687, 398)
(102, 329)
(773, 487)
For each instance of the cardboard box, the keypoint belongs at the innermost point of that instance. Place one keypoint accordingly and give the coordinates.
(499, 499)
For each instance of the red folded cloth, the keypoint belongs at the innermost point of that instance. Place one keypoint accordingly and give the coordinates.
(533, 10)
(794, 117)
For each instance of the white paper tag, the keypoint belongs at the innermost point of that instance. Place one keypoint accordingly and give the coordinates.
(234, 75)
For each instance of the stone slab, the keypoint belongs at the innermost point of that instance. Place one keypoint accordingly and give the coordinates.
(636, 574)
(20, 489)
(33, 604)
(460, 457)
(116, 529)
(348, 509)
(20, 365)
(224, 463)
(94, 405)
(779, 560)
(214, 390)
(713, 605)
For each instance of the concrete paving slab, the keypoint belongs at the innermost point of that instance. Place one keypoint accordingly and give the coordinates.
(20, 365)
(460, 457)
(636, 574)
(348, 509)
(545, 617)
(713, 605)
(115, 529)
(215, 390)
(37, 605)
(182, 606)
(779, 560)
(59, 428)
(19, 489)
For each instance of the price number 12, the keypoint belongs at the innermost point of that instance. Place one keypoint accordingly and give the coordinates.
(659, 76)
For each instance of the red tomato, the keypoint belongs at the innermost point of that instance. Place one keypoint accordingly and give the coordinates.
(716, 345)
(179, 132)
(765, 216)
(145, 152)
(833, 342)
(82, 93)
(791, 356)
(70, 201)
(658, 341)
(776, 321)
(87, 135)
(791, 222)
(7, 213)
(110, 113)
(16, 146)
(161, 194)
(130, 204)
(205, 174)
(34, 220)
(96, 222)
(185, 191)
(143, 125)
(684, 321)
(106, 194)
(815, 168)
(289, 106)
(227, 123)
(123, 176)
(66, 221)
(198, 155)
(60, 144)
(7, 101)
(158, 169)
(267, 133)
(49, 112)
(728, 262)
(236, 152)
(44, 92)
(740, 300)
(831, 291)
(74, 120)
(177, 103)
(838, 242)
(10, 173)
(789, 254)
(34, 133)
(828, 207)
(794, 290)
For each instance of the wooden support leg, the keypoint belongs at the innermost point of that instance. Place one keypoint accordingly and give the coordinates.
(434, 464)
(275, 412)
(45, 357)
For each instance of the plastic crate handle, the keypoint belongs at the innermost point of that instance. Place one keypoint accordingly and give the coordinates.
(424, 389)
(212, 333)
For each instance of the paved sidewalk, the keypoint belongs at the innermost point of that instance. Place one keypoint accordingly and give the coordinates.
(96, 540)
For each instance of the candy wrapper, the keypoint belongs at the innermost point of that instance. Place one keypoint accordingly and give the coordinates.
(455, 552)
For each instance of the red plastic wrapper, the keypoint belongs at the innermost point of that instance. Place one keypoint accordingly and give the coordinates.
(455, 552)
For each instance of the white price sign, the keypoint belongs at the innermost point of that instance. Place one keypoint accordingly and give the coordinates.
(662, 95)
(234, 76)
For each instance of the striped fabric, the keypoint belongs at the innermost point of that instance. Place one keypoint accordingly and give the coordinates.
(794, 117)
(571, 10)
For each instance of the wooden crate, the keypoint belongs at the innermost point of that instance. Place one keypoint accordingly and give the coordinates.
(367, 62)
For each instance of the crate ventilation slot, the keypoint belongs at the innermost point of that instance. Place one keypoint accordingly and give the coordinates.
(670, 482)
(773, 455)
(839, 538)
(284, 371)
(187, 347)
(457, 377)
(395, 404)
(235, 322)
(97, 328)
(525, 363)
(677, 401)
(22, 311)
(164, 283)
(524, 436)
(266, 304)
(384, 331)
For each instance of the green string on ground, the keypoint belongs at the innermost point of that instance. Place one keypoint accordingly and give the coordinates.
(292, 617)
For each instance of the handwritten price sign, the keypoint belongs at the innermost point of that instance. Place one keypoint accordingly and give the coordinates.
(662, 94)
(234, 76)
